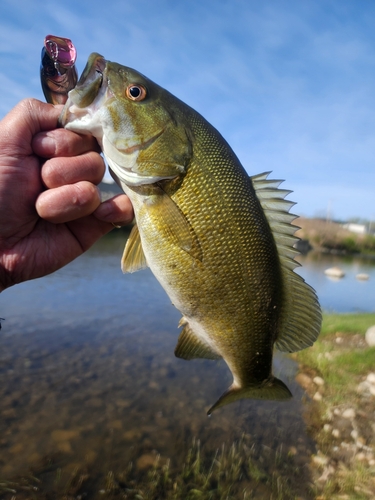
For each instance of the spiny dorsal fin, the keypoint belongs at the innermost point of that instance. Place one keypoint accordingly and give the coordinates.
(133, 258)
(300, 317)
(189, 346)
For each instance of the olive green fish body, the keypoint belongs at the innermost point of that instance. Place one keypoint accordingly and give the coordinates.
(219, 242)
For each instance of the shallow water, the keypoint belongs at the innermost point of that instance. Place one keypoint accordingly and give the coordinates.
(88, 379)
(346, 294)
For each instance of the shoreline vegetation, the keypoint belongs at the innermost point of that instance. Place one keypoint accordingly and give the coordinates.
(338, 374)
(331, 237)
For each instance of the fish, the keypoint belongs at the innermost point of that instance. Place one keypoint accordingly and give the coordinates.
(220, 242)
(58, 73)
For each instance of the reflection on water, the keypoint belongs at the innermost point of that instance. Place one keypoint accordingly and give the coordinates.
(89, 381)
(346, 294)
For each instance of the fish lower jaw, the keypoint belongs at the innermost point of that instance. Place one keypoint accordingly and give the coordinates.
(81, 120)
(129, 178)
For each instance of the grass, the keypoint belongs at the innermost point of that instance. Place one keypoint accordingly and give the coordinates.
(346, 323)
(241, 471)
(338, 366)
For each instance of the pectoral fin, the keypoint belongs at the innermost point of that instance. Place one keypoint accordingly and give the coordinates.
(180, 230)
(189, 346)
(273, 389)
(133, 258)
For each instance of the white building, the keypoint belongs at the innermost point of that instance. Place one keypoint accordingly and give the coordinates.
(355, 228)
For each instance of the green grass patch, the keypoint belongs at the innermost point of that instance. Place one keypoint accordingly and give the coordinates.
(343, 360)
(346, 323)
(341, 366)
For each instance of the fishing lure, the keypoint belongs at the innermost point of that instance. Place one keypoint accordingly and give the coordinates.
(58, 74)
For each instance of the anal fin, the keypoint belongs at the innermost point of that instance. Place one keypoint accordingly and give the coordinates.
(190, 346)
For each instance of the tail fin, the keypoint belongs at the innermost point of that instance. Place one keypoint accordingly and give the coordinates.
(273, 389)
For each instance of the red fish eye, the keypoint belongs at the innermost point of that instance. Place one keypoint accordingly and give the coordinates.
(136, 92)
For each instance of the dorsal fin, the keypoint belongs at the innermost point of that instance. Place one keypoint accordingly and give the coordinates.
(300, 317)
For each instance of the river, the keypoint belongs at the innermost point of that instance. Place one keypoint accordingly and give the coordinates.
(89, 383)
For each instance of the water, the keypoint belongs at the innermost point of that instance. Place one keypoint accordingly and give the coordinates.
(91, 393)
(344, 295)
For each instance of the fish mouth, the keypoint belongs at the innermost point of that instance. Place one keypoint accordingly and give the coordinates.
(90, 82)
(90, 90)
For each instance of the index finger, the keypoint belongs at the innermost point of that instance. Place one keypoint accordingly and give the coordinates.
(62, 142)
(26, 119)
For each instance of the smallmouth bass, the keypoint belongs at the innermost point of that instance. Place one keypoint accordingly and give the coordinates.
(219, 242)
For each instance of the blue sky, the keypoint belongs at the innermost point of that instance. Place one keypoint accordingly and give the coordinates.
(289, 84)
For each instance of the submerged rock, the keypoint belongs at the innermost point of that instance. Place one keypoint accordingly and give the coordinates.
(334, 272)
(362, 276)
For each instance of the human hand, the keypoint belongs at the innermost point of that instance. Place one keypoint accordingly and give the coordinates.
(50, 209)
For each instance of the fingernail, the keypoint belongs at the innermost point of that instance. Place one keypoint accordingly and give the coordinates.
(46, 144)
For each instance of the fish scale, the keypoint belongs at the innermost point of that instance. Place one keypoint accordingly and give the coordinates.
(219, 242)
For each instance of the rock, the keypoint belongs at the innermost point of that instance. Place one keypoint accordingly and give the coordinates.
(354, 434)
(34, 458)
(94, 403)
(320, 460)
(317, 396)
(327, 428)
(362, 276)
(90, 457)
(334, 272)
(364, 387)
(123, 403)
(371, 378)
(63, 435)
(303, 380)
(64, 446)
(132, 435)
(146, 461)
(318, 381)
(343, 424)
(336, 433)
(292, 451)
(16, 449)
(370, 336)
(361, 457)
(115, 424)
(359, 444)
(328, 471)
(349, 413)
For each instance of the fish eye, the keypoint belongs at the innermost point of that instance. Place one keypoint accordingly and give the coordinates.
(136, 92)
